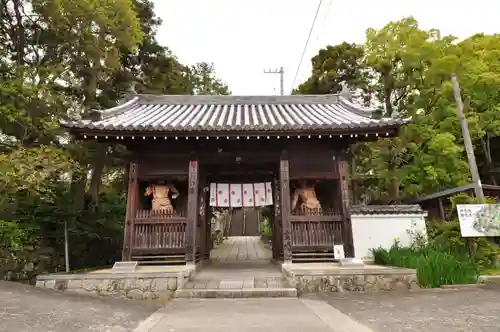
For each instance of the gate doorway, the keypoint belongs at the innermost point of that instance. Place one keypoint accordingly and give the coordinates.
(241, 234)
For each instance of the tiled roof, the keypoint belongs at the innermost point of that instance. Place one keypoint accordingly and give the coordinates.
(449, 192)
(386, 209)
(171, 113)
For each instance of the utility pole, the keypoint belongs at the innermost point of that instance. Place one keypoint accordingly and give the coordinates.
(277, 71)
(478, 189)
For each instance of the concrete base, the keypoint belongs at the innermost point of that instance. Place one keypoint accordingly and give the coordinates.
(147, 283)
(325, 277)
(489, 279)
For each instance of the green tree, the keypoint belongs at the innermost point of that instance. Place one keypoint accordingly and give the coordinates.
(334, 66)
(204, 81)
(58, 60)
(406, 70)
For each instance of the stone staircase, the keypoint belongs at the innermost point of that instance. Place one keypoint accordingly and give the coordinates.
(237, 282)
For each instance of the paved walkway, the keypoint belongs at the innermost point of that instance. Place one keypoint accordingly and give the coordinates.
(241, 262)
(241, 249)
(431, 311)
(25, 308)
(248, 315)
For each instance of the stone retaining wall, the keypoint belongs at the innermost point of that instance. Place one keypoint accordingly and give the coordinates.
(352, 280)
(137, 286)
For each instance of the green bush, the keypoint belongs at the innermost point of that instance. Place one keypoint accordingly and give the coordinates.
(434, 268)
(446, 237)
(265, 227)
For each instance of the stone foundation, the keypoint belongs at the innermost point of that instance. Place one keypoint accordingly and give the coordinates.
(346, 279)
(136, 286)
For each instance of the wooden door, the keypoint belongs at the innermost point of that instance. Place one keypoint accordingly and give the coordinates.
(244, 222)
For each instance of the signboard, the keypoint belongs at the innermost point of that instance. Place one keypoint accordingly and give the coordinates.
(338, 251)
(477, 220)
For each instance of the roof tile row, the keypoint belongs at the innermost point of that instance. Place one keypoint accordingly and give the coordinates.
(229, 113)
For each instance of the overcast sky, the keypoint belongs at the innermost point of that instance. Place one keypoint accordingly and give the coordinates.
(242, 37)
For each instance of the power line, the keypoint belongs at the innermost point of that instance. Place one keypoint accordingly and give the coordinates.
(307, 43)
(325, 19)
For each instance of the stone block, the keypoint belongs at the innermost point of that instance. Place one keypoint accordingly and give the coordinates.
(135, 294)
(172, 283)
(248, 283)
(159, 285)
(75, 283)
(91, 284)
(50, 284)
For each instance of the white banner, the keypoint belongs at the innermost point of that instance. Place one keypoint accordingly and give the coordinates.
(236, 195)
(478, 220)
(241, 194)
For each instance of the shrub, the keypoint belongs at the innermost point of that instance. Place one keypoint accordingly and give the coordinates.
(434, 268)
(265, 227)
(446, 237)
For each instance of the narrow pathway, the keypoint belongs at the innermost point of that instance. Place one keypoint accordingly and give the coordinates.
(240, 268)
(241, 249)
(242, 315)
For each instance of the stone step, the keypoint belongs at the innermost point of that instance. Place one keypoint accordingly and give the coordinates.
(210, 293)
(236, 283)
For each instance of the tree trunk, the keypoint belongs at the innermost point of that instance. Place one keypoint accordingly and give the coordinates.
(78, 183)
(96, 180)
(489, 160)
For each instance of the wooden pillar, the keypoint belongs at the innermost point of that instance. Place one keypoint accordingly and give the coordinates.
(345, 196)
(132, 203)
(202, 221)
(442, 215)
(192, 211)
(285, 209)
(277, 233)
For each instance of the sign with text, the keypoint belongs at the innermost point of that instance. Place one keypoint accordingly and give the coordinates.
(477, 220)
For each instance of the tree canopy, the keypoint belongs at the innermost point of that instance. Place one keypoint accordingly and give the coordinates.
(58, 60)
(405, 71)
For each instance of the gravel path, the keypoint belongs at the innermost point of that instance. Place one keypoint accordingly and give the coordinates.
(25, 308)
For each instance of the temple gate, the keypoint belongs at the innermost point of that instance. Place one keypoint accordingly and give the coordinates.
(179, 145)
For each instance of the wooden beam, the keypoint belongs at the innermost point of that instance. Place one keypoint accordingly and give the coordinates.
(192, 210)
(132, 197)
(285, 209)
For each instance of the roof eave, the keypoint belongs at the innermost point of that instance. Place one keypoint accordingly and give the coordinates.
(357, 133)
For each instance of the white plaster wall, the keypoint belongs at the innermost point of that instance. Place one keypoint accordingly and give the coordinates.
(373, 231)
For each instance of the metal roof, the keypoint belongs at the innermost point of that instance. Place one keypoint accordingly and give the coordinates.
(174, 113)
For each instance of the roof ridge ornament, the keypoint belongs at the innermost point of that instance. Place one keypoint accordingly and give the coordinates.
(131, 88)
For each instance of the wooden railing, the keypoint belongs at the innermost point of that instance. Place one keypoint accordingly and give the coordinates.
(158, 215)
(316, 229)
(155, 230)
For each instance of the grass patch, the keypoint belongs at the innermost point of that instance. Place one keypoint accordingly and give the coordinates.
(434, 268)
(491, 272)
